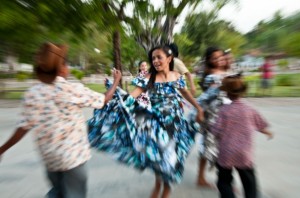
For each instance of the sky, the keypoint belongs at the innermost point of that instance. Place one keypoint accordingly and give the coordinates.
(249, 12)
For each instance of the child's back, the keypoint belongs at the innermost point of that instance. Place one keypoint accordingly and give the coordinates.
(235, 128)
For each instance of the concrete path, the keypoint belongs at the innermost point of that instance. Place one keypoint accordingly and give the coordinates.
(278, 173)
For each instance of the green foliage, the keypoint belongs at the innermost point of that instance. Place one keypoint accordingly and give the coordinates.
(283, 63)
(291, 44)
(97, 87)
(77, 73)
(285, 80)
(206, 29)
(131, 52)
(22, 76)
(108, 71)
(251, 78)
(5, 75)
(271, 36)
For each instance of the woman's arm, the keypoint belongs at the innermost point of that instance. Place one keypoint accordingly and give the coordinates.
(136, 92)
(188, 96)
(109, 93)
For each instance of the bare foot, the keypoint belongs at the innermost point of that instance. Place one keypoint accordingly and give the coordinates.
(166, 191)
(205, 184)
(155, 192)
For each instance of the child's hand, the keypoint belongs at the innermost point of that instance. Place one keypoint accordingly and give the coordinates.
(1, 153)
(270, 135)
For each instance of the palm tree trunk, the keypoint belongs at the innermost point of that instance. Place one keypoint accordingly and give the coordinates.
(117, 52)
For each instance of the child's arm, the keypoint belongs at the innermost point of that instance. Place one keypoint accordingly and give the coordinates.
(262, 125)
(268, 133)
(15, 138)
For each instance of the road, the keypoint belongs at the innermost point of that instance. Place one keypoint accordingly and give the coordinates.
(277, 161)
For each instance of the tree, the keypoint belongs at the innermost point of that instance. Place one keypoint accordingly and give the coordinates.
(26, 23)
(151, 27)
(131, 53)
(112, 14)
(291, 45)
(270, 36)
(205, 29)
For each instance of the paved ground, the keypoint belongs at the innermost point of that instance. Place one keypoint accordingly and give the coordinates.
(22, 174)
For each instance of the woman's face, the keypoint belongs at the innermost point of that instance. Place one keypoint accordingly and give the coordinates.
(160, 60)
(217, 59)
(143, 66)
(229, 59)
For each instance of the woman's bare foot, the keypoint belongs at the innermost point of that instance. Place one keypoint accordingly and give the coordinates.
(156, 190)
(155, 193)
(167, 191)
(204, 184)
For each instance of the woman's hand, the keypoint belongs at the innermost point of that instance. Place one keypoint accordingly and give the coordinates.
(117, 75)
(200, 115)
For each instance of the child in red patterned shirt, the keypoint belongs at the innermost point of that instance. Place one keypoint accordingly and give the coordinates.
(234, 130)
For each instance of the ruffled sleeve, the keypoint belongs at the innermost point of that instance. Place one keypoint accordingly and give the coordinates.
(140, 82)
(180, 83)
(212, 80)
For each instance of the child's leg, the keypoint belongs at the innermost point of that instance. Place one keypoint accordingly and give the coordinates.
(75, 182)
(166, 192)
(156, 189)
(225, 182)
(249, 182)
(57, 184)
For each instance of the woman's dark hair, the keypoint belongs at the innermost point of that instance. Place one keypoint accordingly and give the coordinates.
(153, 72)
(207, 64)
(140, 64)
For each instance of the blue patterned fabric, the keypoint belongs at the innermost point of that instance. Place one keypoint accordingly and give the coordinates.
(210, 100)
(143, 98)
(158, 138)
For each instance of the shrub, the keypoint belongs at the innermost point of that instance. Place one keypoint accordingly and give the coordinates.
(108, 71)
(285, 80)
(21, 76)
(5, 75)
(283, 63)
(77, 73)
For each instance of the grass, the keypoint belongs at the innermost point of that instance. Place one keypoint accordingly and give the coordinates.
(97, 87)
(252, 80)
(284, 85)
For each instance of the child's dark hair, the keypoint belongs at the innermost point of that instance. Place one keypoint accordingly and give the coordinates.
(234, 85)
(207, 64)
(174, 49)
(152, 71)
